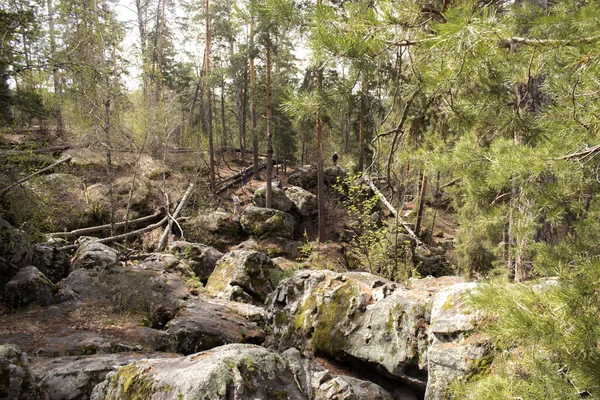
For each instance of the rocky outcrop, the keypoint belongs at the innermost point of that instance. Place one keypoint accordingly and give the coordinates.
(51, 262)
(279, 198)
(92, 254)
(135, 193)
(273, 247)
(304, 177)
(246, 276)
(28, 287)
(238, 371)
(218, 229)
(333, 175)
(453, 352)
(204, 324)
(305, 203)
(201, 258)
(366, 318)
(267, 222)
(16, 379)
(15, 252)
(74, 378)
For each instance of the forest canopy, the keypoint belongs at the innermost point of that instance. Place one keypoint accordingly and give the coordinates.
(495, 103)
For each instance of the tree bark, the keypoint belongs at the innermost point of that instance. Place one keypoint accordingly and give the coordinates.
(253, 107)
(208, 112)
(421, 204)
(163, 239)
(361, 134)
(55, 75)
(269, 194)
(320, 179)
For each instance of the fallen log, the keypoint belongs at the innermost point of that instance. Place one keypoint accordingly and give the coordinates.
(36, 151)
(135, 233)
(235, 179)
(100, 228)
(28, 177)
(163, 239)
(389, 206)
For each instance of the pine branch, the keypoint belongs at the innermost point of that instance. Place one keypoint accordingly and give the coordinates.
(551, 42)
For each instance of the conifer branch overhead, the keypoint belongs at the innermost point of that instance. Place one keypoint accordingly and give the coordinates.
(552, 42)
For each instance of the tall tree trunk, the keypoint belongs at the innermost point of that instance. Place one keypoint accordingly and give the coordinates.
(269, 196)
(421, 204)
(225, 141)
(253, 108)
(208, 111)
(55, 75)
(142, 13)
(361, 133)
(320, 178)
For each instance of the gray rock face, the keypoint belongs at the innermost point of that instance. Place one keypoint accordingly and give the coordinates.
(267, 222)
(304, 201)
(235, 371)
(204, 324)
(453, 354)
(216, 229)
(16, 379)
(280, 200)
(201, 258)
(15, 252)
(333, 175)
(92, 254)
(273, 247)
(74, 378)
(246, 276)
(28, 287)
(52, 263)
(304, 177)
(367, 318)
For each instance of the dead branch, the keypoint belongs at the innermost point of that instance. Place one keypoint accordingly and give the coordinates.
(583, 153)
(100, 228)
(552, 42)
(163, 239)
(389, 206)
(28, 177)
(451, 183)
(36, 151)
(235, 179)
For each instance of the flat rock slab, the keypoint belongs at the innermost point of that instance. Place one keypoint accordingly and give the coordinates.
(205, 324)
(74, 378)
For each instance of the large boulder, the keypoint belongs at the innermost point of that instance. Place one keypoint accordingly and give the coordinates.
(235, 371)
(53, 263)
(273, 247)
(16, 379)
(62, 199)
(246, 276)
(218, 229)
(304, 201)
(267, 222)
(15, 252)
(74, 378)
(304, 177)
(138, 201)
(201, 258)
(280, 200)
(28, 287)
(204, 324)
(333, 175)
(453, 351)
(91, 254)
(363, 317)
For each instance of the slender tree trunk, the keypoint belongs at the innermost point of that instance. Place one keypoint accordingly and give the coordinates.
(253, 108)
(269, 196)
(141, 20)
(421, 205)
(55, 75)
(320, 179)
(361, 134)
(225, 141)
(208, 111)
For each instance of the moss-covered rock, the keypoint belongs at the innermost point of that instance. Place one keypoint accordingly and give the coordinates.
(362, 316)
(16, 252)
(201, 258)
(267, 222)
(218, 229)
(233, 371)
(28, 287)
(280, 200)
(247, 276)
(16, 379)
(305, 203)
